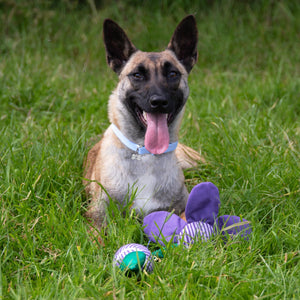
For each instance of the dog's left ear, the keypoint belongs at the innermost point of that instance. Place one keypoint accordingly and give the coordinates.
(118, 46)
(184, 42)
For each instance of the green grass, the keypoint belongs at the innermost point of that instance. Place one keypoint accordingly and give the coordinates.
(243, 115)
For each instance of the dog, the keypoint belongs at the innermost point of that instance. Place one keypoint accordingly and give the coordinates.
(139, 152)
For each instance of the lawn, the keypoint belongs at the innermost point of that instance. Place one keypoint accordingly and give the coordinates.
(243, 115)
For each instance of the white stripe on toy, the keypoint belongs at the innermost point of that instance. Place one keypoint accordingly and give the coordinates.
(195, 231)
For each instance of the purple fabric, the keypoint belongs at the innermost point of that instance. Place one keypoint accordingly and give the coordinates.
(161, 225)
(226, 221)
(203, 203)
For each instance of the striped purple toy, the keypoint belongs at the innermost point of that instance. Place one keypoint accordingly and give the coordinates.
(121, 254)
(202, 220)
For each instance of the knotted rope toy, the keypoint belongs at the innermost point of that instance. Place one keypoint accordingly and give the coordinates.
(162, 227)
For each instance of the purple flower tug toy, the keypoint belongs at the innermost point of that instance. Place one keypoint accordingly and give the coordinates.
(201, 224)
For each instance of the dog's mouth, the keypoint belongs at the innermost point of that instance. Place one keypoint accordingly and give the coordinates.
(142, 116)
(157, 131)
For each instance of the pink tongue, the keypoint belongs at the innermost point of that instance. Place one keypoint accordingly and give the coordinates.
(157, 134)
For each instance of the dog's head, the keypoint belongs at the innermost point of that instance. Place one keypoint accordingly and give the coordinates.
(153, 86)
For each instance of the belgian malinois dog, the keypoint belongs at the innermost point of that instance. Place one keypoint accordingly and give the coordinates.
(140, 149)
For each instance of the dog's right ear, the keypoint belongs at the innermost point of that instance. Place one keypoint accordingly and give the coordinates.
(118, 46)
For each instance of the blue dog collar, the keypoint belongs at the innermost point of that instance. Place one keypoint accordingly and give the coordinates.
(135, 147)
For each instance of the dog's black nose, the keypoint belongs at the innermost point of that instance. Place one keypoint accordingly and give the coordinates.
(157, 101)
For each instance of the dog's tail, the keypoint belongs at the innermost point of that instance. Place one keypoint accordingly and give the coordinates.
(188, 157)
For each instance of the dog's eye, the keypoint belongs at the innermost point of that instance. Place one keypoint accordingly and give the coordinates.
(172, 74)
(137, 76)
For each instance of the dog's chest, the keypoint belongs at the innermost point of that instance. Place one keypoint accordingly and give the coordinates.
(155, 181)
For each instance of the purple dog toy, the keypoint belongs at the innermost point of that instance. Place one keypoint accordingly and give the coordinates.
(201, 214)
(202, 223)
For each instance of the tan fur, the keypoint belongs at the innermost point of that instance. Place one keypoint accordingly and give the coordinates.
(110, 171)
(188, 157)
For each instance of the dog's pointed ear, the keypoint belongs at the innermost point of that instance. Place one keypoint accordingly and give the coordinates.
(184, 42)
(118, 46)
